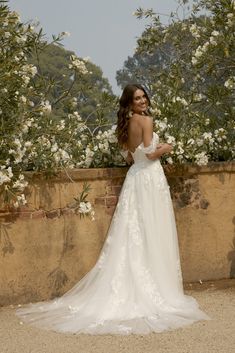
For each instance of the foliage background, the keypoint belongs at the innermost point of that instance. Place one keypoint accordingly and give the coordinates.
(58, 111)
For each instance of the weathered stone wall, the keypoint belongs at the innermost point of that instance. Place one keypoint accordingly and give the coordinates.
(45, 248)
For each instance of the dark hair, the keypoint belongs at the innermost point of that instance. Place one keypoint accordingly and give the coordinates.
(124, 111)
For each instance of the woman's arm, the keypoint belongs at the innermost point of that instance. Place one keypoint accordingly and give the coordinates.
(147, 126)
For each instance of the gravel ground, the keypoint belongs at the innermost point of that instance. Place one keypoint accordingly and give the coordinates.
(217, 299)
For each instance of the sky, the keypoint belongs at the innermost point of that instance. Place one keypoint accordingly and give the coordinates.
(104, 30)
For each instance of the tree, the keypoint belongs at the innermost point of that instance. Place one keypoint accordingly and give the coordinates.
(144, 67)
(89, 91)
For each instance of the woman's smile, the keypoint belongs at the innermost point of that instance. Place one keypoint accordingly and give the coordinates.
(140, 102)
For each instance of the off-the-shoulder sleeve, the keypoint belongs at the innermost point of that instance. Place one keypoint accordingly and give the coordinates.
(152, 147)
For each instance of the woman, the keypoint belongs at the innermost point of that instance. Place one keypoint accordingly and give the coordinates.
(136, 284)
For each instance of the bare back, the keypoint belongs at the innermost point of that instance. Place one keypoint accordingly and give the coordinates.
(140, 130)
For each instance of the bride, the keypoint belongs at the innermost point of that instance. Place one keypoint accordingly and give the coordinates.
(136, 284)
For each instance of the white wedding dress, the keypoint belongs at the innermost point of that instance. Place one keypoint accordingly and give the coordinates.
(136, 284)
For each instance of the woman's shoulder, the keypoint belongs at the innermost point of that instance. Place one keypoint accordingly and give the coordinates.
(143, 119)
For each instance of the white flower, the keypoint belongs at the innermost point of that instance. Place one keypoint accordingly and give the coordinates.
(180, 100)
(17, 142)
(169, 160)
(213, 41)
(89, 152)
(201, 158)
(33, 70)
(65, 34)
(179, 151)
(199, 142)
(180, 157)
(194, 61)
(198, 97)
(20, 185)
(74, 102)
(194, 31)
(16, 204)
(220, 134)
(26, 79)
(23, 99)
(170, 139)
(198, 52)
(54, 147)
(207, 135)
(85, 207)
(64, 155)
(215, 33)
(21, 199)
(156, 111)
(191, 141)
(46, 107)
(230, 83)
(9, 170)
(184, 102)
(61, 125)
(4, 178)
(28, 144)
(78, 65)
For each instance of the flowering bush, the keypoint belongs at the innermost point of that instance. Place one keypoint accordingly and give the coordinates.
(33, 135)
(194, 92)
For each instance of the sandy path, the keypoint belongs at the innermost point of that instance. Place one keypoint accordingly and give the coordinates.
(214, 336)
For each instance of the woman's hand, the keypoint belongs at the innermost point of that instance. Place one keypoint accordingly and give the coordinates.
(167, 148)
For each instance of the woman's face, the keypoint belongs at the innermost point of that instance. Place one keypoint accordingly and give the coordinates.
(140, 102)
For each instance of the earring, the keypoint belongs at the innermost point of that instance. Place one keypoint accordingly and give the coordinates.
(130, 113)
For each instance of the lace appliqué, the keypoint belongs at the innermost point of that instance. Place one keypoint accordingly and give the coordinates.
(118, 280)
(134, 231)
(148, 284)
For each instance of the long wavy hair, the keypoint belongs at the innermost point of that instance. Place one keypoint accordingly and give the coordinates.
(124, 112)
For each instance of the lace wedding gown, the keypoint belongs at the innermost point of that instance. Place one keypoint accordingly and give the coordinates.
(136, 284)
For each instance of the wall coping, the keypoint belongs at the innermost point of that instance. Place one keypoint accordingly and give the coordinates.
(120, 172)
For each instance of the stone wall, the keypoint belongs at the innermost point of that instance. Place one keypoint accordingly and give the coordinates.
(45, 248)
